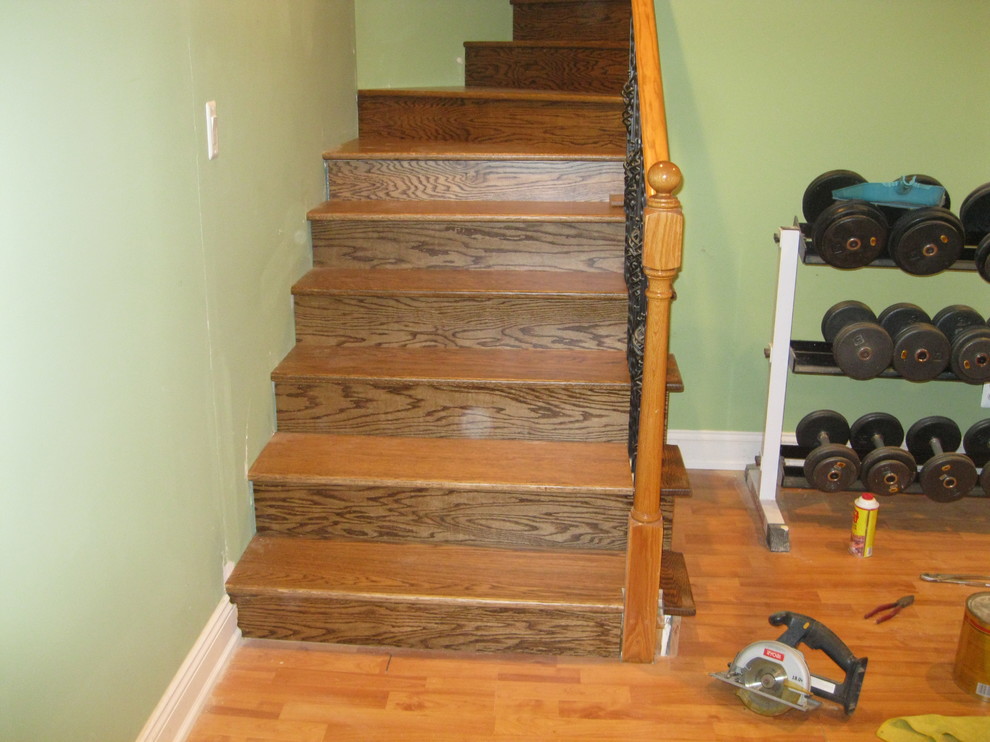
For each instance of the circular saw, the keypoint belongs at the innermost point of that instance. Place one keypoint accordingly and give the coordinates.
(772, 677)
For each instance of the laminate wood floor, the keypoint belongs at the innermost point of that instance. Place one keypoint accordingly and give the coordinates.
(315, 693)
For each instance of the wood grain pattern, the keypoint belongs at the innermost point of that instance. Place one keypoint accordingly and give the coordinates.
(421, 625)
(460, 283)
(525, 395)
(594, 67)
(496, 116)
(496, 180)
(445, 515)
(416, 595)
(476, 464)
(425, 149)
(468, 244)
(292, 690)
(467, 322)
(585, 20)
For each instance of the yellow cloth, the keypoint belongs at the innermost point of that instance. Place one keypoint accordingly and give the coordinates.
(935, 728)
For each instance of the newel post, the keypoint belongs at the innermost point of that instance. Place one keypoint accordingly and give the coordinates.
(663, 230)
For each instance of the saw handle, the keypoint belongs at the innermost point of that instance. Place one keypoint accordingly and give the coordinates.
(817, 635)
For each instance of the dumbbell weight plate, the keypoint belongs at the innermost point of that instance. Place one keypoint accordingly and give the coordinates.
(888, 470)
(921, 351)
(862, 431)
(818, 194)
(976, 442)
(970, 339)
(946, 477)
(862, 350)
(926, 241)
(861, 347)
(975, 214)
(844, 313)
(982, 258)
(831, 468)
(829, 422)
(850, 234)
(893, 213)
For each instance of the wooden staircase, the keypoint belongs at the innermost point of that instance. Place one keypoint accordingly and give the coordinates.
(450, 468)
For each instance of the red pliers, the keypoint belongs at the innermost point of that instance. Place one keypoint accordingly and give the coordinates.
(894, 608)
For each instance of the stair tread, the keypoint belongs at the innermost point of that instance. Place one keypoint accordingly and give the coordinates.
(428, 149)
(430, 572)
(456, 365)
(471, 462)
(467, 210)
(443, 282)
(550, 44)
(494, 94)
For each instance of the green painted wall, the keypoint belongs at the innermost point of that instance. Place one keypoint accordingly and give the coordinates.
(390, 35)
(762, 97)
(144, 299)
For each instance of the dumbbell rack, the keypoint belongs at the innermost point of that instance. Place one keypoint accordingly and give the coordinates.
(766, 477)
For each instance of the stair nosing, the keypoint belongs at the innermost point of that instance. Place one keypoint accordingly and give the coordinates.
(494, 94)
(467, 210)
(463, 561)
(365, 148)
(442, 282)
(465, 447)
(551, 43)
(365, 364)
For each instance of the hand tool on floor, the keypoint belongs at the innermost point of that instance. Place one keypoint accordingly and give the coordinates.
(974, 580)
(892, 608)
(772, 677)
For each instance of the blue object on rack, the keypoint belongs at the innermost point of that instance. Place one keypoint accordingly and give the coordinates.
(904, 193)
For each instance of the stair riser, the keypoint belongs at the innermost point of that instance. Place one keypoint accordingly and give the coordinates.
(442, 515)
(585, 70)
(421, 624)
(422, 322)
(444, 119)
(473, 180)
(592, 246)
(587, 20)
(504, 411)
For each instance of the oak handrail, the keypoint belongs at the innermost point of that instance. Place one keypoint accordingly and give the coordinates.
(663, 232)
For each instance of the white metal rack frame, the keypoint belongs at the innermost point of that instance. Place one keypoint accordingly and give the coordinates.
(765, 477)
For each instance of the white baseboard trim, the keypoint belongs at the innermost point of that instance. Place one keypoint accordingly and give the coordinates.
(716, 449)
(173, 718)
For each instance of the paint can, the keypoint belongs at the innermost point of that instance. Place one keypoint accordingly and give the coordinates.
(972, 668)
(864, 525)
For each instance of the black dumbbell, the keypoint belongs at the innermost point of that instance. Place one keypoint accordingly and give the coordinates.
(887, 468)
(976, 444)
(818, 194)
(921, 350)
(850, 234)
(945, 475)
(975, 217)
(926, 241)
(861, 347)
(970, 339)
(846, 234)
(830, 466)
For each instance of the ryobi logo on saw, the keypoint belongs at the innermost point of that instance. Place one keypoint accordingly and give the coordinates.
(773, 654)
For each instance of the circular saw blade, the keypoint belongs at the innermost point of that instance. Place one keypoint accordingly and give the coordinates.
(771, 678)
(765, 688)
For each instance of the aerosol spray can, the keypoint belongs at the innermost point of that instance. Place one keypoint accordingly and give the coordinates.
(864, 525)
